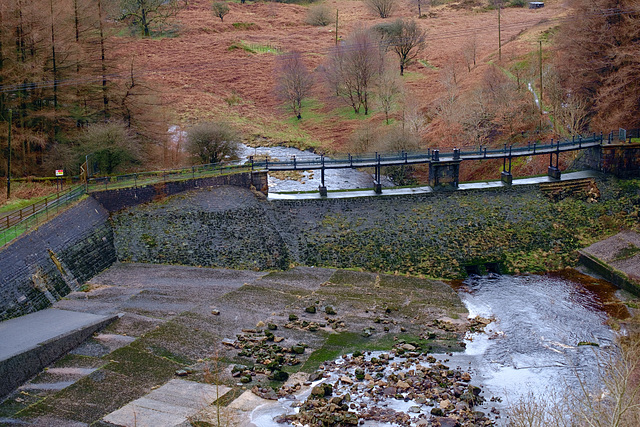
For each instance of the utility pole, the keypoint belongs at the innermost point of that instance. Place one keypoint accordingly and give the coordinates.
(540, 67)
(9, 159)
(336, 27)
(499, 35)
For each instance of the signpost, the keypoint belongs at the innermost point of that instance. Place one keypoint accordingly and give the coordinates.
(59, 175)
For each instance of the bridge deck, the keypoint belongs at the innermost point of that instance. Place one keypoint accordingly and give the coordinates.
(431, 156)
(571, 176)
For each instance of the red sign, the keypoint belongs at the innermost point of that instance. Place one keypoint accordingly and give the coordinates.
(59, 172)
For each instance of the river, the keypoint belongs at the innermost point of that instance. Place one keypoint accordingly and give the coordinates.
(334, 179)
(532, 344)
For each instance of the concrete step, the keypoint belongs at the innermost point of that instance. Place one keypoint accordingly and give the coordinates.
(29, 343)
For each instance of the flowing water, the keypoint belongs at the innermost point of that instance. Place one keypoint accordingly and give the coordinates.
(533, 343)
(334, 179)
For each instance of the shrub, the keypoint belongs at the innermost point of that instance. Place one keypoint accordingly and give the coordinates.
(319, 16)
(211, 142)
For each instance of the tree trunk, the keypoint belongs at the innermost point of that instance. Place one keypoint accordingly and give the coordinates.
(145, 24)
(53, 59)
(105, 99)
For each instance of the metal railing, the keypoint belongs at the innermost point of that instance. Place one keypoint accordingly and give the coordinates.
(13, 224)
(155, 177)
(430, 155)
(17, 222)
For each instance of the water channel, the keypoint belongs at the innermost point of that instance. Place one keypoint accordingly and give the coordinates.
(531, 346)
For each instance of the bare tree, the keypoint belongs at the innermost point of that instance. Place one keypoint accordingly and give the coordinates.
(469, 52)
(353, 69)
(404, 38)
(320, 16)
(569, 109)
(414, 122)
(294, 81)
(219, 9)
(146, 13)
(364, 138)
(384, 8)
(388, 89)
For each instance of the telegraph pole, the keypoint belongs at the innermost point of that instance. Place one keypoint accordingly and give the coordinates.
(9, 159)
(336, 27)
(540, 67)
(499, 35)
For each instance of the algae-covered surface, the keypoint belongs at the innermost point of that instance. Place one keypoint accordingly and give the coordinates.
(180, 316)
(521, 228)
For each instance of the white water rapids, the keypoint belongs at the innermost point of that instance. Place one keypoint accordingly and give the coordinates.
(532, 346)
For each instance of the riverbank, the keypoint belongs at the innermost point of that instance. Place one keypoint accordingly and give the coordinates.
(248, 331)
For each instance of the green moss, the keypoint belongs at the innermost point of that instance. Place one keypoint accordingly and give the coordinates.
(130, 373)
(626, 252)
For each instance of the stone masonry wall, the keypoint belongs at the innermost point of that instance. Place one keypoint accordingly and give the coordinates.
(41, 267)
(115, 200)
(435, 234)
(213, 227)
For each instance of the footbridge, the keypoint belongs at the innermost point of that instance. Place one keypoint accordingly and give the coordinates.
(444, 166)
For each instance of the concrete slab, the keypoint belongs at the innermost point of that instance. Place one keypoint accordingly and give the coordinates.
(31, 342)
(617, 259)
(170, 405)
(22, 333)
(427, 189)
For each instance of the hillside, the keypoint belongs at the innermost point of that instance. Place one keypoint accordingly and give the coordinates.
(460, 90)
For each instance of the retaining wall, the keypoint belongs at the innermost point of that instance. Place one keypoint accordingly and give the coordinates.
(46, 264)
(435, 234)
(115, 200)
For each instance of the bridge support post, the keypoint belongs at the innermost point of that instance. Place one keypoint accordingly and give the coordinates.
(506, 176)
(444, 175)
(377, 186)
(322, 188)
(553, 171)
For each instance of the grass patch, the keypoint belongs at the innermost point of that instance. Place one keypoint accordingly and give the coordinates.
(626, 253)
(334, 346)
(412, 76)
(427, 64)
(244, 25)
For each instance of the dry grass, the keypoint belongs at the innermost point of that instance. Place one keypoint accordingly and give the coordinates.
(23, 194)
(197, 72)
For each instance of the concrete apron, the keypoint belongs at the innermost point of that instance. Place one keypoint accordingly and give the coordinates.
(29, 343)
